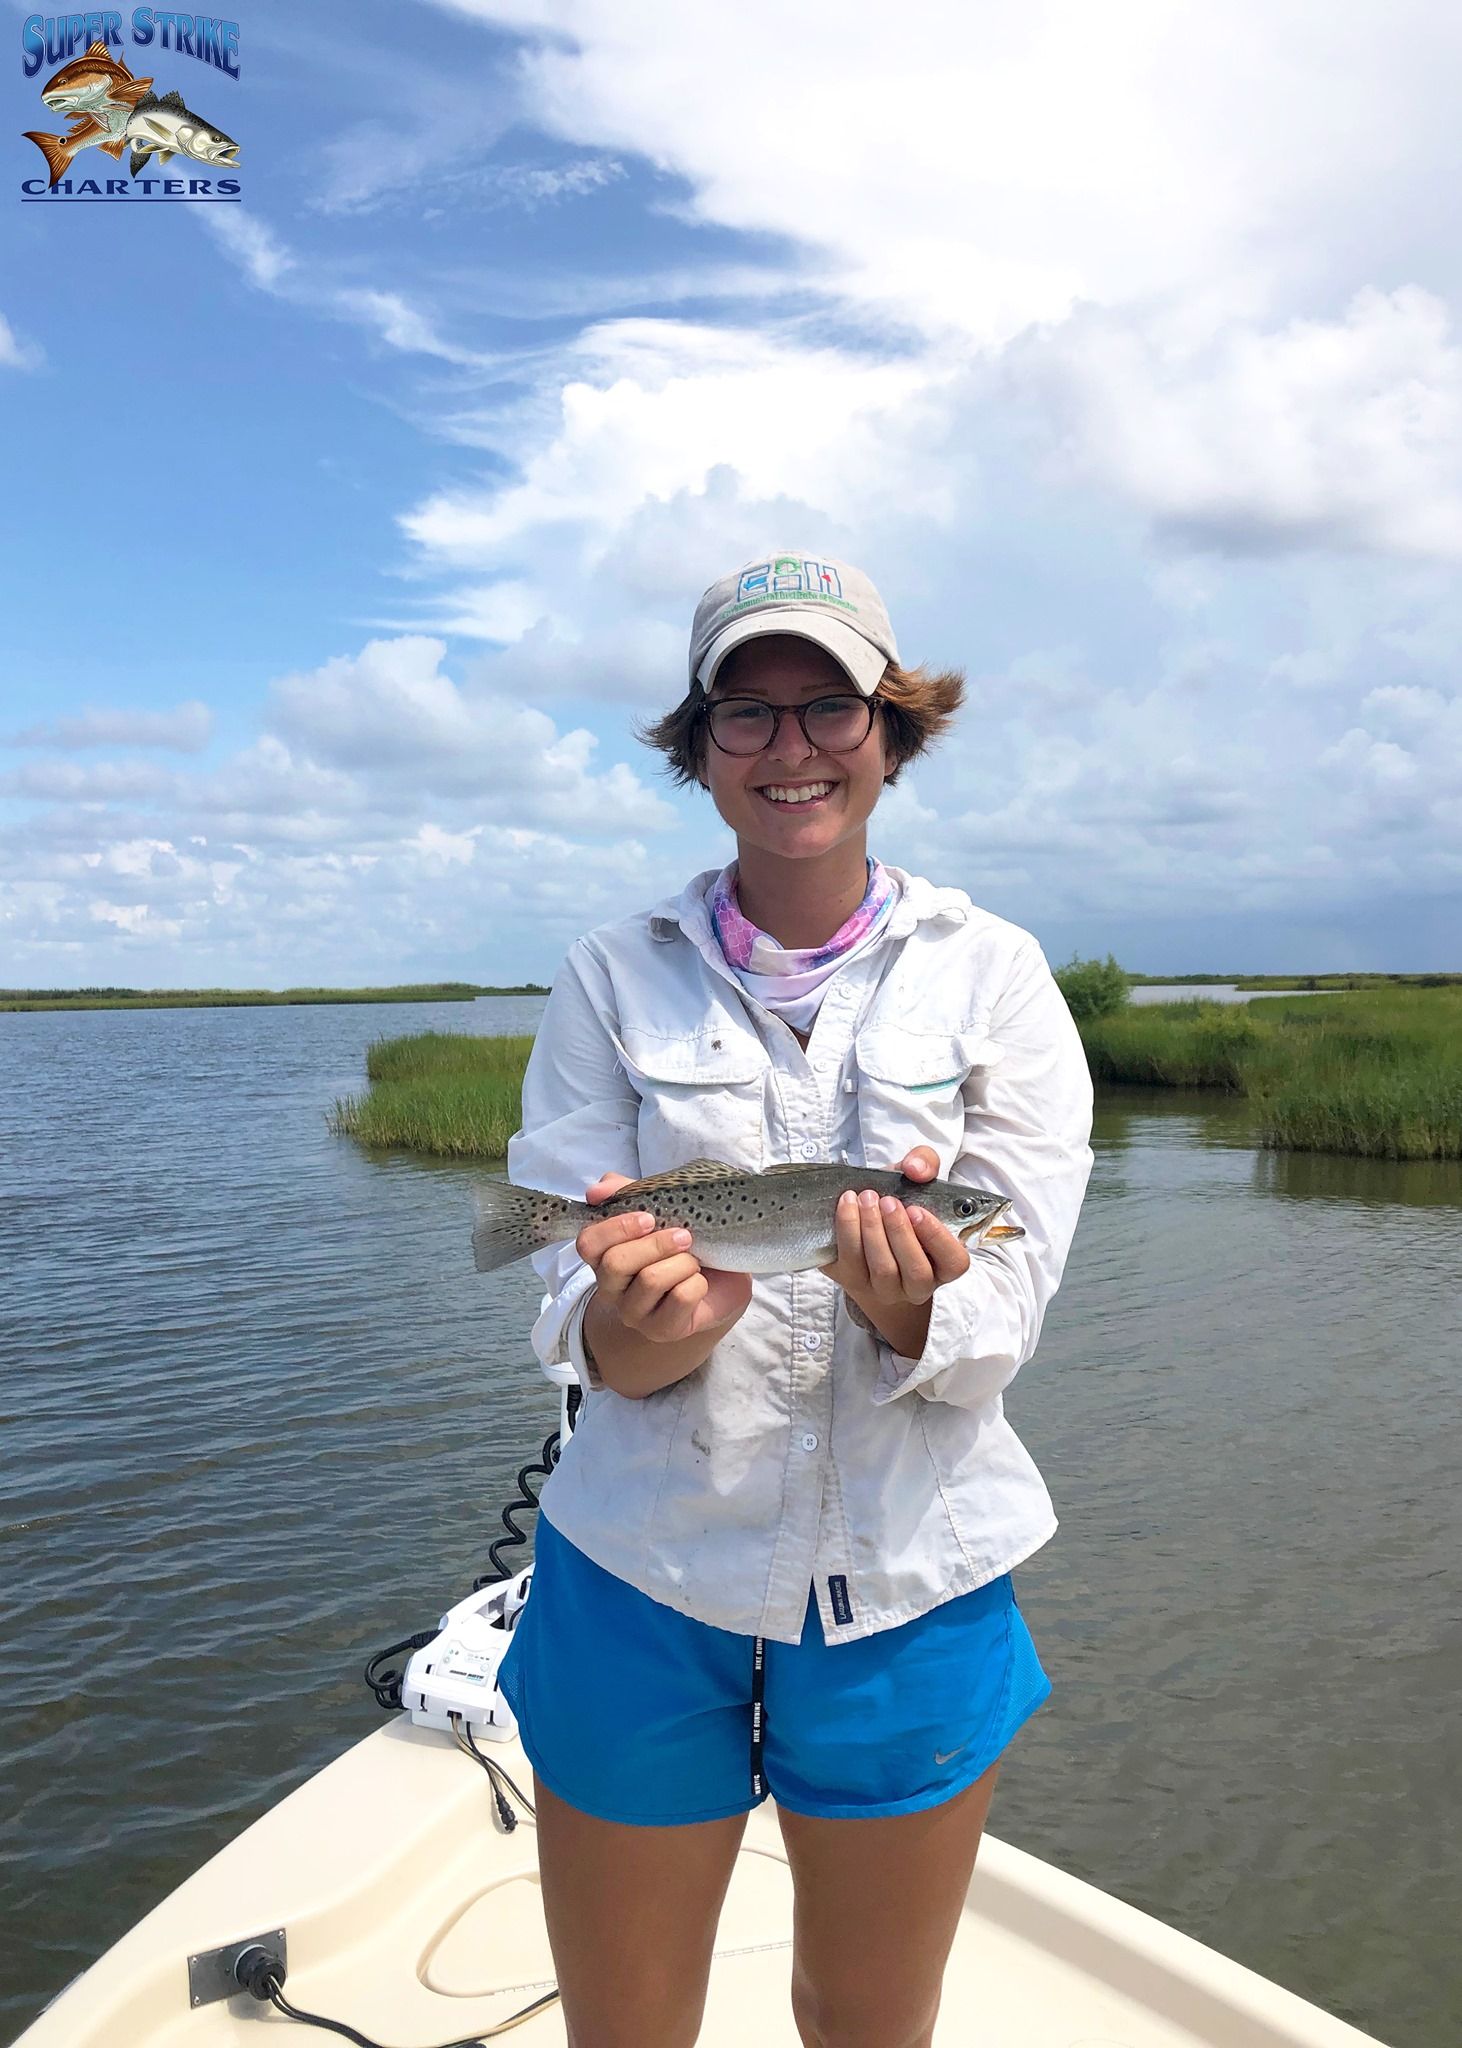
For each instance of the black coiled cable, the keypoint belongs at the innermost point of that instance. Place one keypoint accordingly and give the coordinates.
(386, 1684)
(523, 1498)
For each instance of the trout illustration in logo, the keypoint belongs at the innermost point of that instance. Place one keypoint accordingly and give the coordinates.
(166, 128)
(98, 94)
(111, 108)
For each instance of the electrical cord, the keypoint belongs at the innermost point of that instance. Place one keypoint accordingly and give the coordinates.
(262, 1976)
(497, 1777)
(523, 1499)
(386, 1685)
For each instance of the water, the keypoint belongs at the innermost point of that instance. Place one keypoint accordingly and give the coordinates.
(1209, 992)
(260, 1414)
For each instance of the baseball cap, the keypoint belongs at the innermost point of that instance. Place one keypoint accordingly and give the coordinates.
(811, 596)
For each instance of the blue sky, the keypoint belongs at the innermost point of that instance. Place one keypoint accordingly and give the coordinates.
(353, 526)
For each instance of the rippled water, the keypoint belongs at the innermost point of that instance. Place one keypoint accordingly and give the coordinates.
(260, 1413)
(1144, 992)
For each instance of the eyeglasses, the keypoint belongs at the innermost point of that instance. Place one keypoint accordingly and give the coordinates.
(830, 725)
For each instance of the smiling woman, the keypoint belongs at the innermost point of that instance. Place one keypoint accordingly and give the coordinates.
(798, 1490)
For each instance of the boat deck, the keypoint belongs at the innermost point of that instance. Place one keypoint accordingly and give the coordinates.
(412, 1916)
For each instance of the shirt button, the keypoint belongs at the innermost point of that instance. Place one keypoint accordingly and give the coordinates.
(809, 1151)
(809, 1442)
(811, 1341)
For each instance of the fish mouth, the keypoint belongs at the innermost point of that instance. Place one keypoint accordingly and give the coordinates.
(993, 1226)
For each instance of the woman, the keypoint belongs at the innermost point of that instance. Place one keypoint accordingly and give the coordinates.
(800, 1490)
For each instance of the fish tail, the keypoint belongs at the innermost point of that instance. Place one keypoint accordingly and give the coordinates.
(512, 1221)
(57, 151)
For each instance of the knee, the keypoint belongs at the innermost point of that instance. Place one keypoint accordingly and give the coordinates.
(844, 2019)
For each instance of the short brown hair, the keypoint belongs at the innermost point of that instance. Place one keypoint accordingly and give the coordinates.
(918, 706)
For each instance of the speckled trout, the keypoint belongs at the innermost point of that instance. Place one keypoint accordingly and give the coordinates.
(780, 1221)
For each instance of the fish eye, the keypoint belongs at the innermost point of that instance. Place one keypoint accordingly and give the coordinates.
(965, 1207)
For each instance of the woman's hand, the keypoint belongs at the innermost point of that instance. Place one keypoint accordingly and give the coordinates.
(654, 1289)
(892, 1256)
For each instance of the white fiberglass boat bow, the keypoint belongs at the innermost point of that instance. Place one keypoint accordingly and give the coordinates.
(399, 1904)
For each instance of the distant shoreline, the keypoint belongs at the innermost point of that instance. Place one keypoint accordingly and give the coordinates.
(247, 998)
(1285, 983)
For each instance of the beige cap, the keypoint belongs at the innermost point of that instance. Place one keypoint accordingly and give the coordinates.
(811, 596)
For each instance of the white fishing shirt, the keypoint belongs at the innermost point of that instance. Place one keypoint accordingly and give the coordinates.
(804, 1451)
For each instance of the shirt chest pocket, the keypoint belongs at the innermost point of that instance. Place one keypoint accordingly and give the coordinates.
(911, 1089)
(702, 1096)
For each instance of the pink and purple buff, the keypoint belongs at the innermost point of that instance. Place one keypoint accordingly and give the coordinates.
(747, 947)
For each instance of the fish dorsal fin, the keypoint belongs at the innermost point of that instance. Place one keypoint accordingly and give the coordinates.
(694, 1170)
(99, 49)
(173, 101)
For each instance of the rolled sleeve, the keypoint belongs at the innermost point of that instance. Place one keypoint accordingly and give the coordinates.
(1027, 1136)
(580, 1120)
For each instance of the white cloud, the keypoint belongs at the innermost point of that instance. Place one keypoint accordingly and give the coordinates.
(982, 171)
(16, 354)
(1341, 434)
(389, 820)
(272, 267)
(1181, 306)
(259, 253)
(186, 729)
(393, 711)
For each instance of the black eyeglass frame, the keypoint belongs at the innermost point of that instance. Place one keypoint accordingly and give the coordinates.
(799, 711)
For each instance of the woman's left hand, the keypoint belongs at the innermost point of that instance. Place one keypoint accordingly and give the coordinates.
(891, 1257)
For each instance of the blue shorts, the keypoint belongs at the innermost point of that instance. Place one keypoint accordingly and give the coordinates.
(632, 1711)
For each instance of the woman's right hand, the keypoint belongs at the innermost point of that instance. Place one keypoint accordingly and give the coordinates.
(650, 1280)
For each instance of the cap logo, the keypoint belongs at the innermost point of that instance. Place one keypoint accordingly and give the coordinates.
(787, 576)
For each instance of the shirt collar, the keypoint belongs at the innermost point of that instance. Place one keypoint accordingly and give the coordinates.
(689, 912)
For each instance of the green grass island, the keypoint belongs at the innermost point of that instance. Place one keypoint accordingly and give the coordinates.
(1374, 1071)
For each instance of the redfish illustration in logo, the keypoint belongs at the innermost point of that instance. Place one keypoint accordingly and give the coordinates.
(112, 109)
(99, 95)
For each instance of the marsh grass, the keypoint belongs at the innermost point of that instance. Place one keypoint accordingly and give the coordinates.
(244, 998)
(1377, 1072)
(438, 1091)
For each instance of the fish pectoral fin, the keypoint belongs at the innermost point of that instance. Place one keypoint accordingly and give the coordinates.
(693, 1170)
(156, 129)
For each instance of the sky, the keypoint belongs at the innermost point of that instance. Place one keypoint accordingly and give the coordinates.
(351, 528)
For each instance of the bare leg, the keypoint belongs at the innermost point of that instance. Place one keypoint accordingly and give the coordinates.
(632, 1915)
(878, 1903)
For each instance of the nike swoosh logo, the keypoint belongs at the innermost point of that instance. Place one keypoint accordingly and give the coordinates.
(942, 1756)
